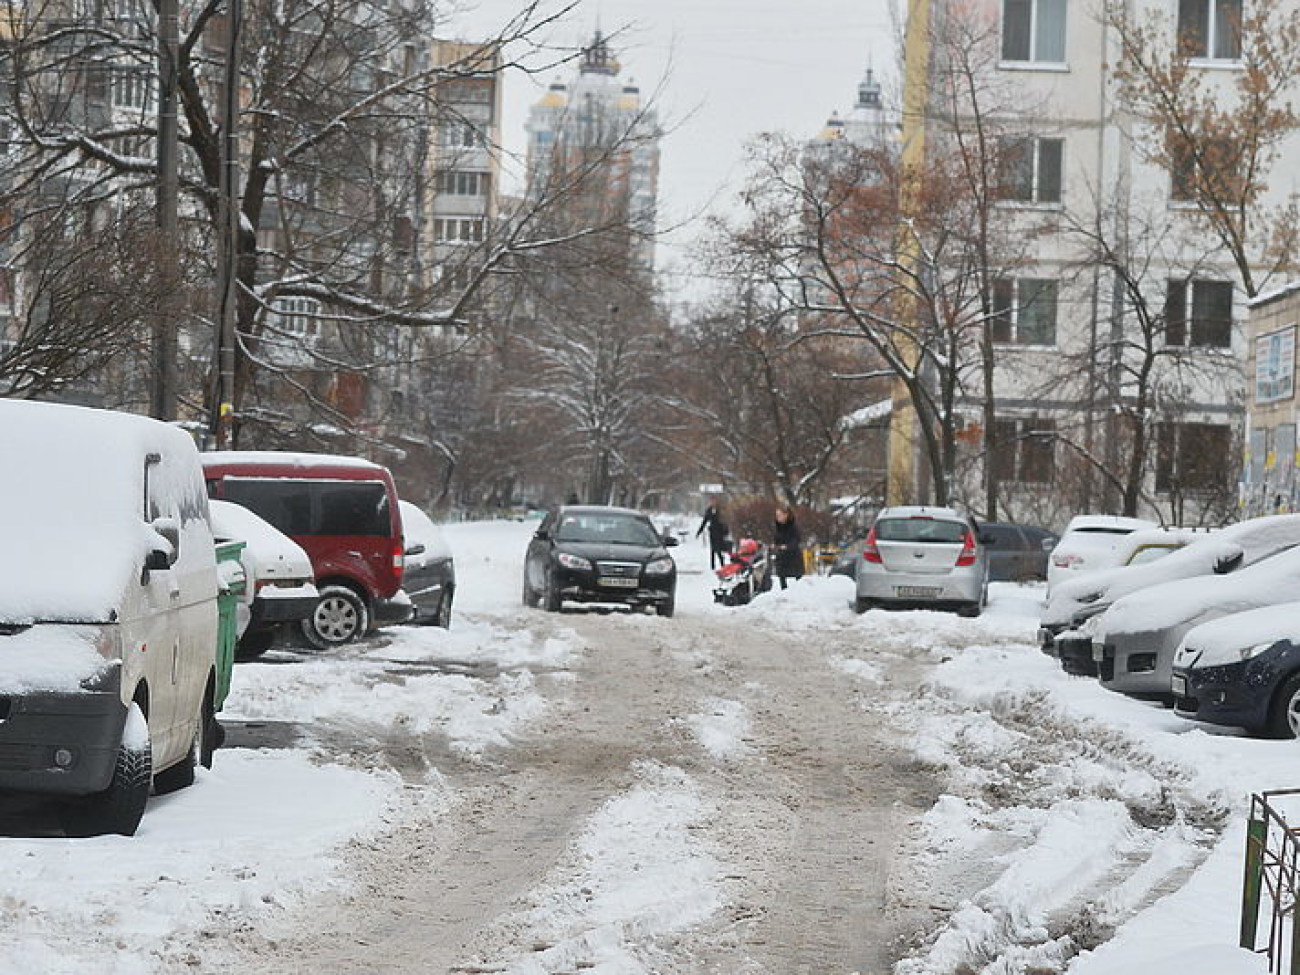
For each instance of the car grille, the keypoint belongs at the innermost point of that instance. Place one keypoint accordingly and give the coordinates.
(618, 570)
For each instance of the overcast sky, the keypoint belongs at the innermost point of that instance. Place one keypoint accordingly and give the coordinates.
(726, 70)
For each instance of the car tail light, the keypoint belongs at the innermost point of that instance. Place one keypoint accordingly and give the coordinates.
(870, 552)
(399, 555)
(967, 555)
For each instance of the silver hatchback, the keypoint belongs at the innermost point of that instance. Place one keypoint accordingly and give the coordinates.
(923, 557)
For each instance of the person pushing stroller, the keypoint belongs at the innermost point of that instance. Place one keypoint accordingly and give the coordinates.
(719, 534)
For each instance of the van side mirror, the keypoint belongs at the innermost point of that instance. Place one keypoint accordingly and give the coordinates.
(416, 549)
(164, 555)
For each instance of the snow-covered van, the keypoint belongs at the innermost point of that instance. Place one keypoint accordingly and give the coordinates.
(108, 613)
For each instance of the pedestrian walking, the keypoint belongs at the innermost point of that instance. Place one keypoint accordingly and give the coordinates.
(788, 545)
(719, 534)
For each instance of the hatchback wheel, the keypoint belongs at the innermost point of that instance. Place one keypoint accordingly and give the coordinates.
(1284, 715)
(340, 617)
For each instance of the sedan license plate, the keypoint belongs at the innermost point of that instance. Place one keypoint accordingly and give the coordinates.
(1179, 684)
(614, 582)
(917, 592)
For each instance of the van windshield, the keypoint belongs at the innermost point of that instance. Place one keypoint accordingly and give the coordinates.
(303, 507)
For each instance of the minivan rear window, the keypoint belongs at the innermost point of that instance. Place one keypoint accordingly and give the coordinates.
(305, 507)
(920, 530)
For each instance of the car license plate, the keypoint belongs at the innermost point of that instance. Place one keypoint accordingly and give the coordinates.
(1179, 683)
(614, 582)
(917, 592)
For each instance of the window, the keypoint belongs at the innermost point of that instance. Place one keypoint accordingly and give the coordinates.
(1025, 451)
(134, 88)
(1198, 313)
(462, 135)
(1210, 29)
(1024, 311)
(458, 230)
(1193, 457)
(1030, 170)
(456, 183)
(1202, 168)
(299, 316)
(1033, 30)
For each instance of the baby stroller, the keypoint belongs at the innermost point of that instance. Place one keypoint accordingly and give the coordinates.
(747, 571)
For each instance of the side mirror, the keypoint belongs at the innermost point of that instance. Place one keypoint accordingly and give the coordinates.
(669, 540)
(416, 549)
(987, 538)
(164, 555)
(1229, 563)
(541, 534)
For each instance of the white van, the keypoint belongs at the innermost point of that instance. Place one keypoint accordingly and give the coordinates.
(108, 614)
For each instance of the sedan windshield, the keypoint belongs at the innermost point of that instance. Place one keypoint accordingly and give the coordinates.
(920, 530)
(606, 528)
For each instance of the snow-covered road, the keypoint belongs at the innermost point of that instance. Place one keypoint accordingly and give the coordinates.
(1047, 825)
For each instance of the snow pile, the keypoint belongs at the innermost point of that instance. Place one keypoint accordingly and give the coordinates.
(472, 684)
(721, 728)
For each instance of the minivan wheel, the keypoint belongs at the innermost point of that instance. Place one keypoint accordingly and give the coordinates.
(1284, 715)
(340, 617)
(120, 807)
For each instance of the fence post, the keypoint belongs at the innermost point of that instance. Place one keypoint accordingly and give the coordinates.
(1256, 836)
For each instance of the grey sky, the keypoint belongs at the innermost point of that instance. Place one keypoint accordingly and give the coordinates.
(727, 70)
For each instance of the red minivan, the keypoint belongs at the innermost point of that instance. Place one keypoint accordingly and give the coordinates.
(343, 512)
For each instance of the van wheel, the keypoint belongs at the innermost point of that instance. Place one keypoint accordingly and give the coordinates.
(1284, 715)
(443, 618)
(120, 807)
(340, 617)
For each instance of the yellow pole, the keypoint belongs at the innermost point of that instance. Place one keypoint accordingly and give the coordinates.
(901, 486)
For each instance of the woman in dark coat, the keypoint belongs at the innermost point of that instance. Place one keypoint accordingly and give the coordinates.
(788, 545)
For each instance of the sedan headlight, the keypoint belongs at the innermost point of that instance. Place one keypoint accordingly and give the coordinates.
(1250, 653)
(659, 567)
(573, 561)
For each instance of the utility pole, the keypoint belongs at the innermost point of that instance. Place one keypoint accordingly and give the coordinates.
(223, 411)
(901, 482)
(163, 387)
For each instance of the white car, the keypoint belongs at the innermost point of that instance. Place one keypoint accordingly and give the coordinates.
(280, 584)
(1089, 543)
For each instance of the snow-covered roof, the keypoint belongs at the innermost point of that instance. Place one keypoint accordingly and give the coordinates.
(285, 458)
(72, 506)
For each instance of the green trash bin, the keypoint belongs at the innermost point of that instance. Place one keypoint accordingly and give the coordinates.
(231, 584)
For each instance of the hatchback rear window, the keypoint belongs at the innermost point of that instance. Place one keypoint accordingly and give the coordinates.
(920, 530)
(305, 507)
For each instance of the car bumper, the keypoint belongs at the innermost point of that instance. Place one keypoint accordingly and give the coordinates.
(585, 587)
(921, 590)
(269, 609)
(1075, 655)
(1140, 664)
(62, 743)
(1240, 694)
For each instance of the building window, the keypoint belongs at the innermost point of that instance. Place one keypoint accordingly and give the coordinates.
(1033, 30)
(460, 134)
(1198, 314)
(1025, 451)
(453, 182)
(1204, 168)
(1030, 170)
(1193, 457)
(1024, 311)
(134, 88)
(296, 316)
(458, 230)
(1210, 29)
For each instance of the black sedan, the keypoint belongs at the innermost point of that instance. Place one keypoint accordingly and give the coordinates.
(599, 554)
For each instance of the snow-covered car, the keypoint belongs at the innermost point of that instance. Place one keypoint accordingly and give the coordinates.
(1243, 670)
(429, 572)
(1136, 639)
(1089, 543)
(1184, 553)
(921, 556)
(108, 612)
(280, 586)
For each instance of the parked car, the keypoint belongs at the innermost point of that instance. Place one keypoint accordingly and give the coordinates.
(1017, 553)
(1243, 670)
(108, 611)
(1137, 637)
(429, 575)
(920, 556)
(1077, 603)
(593, 553)
(1089, 543)
(343, 512)
(279, 589)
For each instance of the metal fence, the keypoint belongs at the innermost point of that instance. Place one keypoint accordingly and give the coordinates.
(1270, 884)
